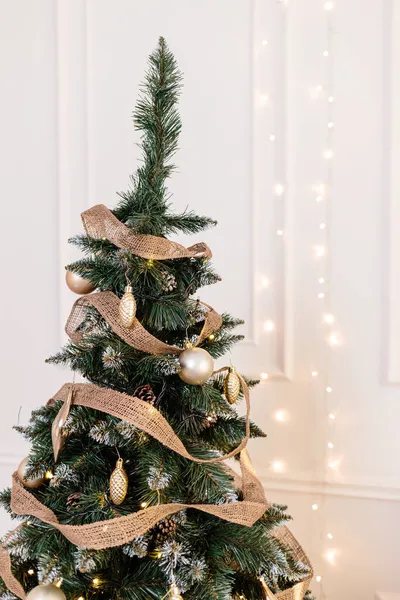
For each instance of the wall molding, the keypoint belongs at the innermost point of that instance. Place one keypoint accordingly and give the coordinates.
(369, 491)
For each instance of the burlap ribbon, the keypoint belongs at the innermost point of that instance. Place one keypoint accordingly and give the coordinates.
(138, 337)
(99, 222)
(120, 530)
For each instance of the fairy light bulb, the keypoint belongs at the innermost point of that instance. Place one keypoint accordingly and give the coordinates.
(314, 506)
(49, 475)
(331, 99)
(272, 137)
(331, 416)
(330, 556)
(322, 225)
(264, 282)
(328, 153)
(279, 189)
(328, 318)
(281, 416)
(331, 124)
(31, 572)
(264, 42)
(314, 373)
(211, 337)
(321, 279)
(329, 536)
(279, 232)
(321, 295)
(318, 579)
(96, 581)
(325, 53)
(318, 199)
(328, 389)
(264, 376)
(269, 326)
(329, 6)
(143, 505)
(334, 339)
(319, 251)
(278, 466)
(330, 445)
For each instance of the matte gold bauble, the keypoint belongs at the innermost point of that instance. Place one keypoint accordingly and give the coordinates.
(78, 284)
(46, 592)
(127, 308)
(232, 386)
(31, 483)
(174, 593)
(118, 483)
(196, 365)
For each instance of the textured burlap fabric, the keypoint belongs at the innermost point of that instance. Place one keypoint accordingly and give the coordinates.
(99, 222)
(138, 337)
(120, 530)
(6, 574)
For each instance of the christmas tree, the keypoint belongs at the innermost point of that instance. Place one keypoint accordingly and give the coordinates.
(125, 493)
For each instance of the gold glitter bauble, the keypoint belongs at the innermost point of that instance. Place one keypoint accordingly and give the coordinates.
(197, 365)
(32, 483)
(174, 593)
(127, 308)
(78, 284)
(118, 483)
(232, 386)
(46, 592)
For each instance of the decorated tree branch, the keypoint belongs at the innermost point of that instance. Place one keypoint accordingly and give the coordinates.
(126, 494)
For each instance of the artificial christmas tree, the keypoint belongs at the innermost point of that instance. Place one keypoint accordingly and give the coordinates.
(126, 495)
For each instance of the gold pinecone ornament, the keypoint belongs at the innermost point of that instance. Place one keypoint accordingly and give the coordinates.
(127, 308)
(232, 386)
(118, 483)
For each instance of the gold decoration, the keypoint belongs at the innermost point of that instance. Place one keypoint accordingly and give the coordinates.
(174, 593)
(78, 284)
(232, 386)
(197, 365)
(127, 308)
(118, 483)
(58, 435)
(46, 592)
(31, 483)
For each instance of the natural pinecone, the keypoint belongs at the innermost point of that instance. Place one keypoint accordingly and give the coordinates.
(145, 393)
(169, 282)
(73, 499)
(165, 529)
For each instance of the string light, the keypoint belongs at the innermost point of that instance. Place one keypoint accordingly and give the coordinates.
(329, 5)
(264, 376)
(330, 445)
(331, 124)
(325, 53)
(328, 154)
(269, 326)
(49, 475)
(211, 337)
(279, 232)
(264, 282)
(144, 504)
(150, 262)
(328, 318)
(281, 416)
(318, 199)
(96, 582)
(278, 466)
(329, 536)
(330, 556)
(264, 42)
(334, 339)
(321, 295)
(272, 137)
(331, 99)
(279, 189)
(318, 579)
(314, 373)
(331, 416)
(319, 251)
(328, 389)
(31, 572)
(322, 225)
(321, 279)
(314, 506)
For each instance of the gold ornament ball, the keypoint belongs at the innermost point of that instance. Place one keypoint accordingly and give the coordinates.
(29, 483)
(46, 592)
(196, 366)
(174, 593)
(78, 284)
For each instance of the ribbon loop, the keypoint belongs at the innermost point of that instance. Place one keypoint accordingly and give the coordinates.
(99, 222)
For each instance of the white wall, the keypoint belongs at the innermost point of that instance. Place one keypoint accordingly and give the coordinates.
(70, 74)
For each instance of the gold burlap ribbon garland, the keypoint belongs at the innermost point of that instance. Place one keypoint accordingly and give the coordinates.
(121, 530)
(138, 337)
(99, 222)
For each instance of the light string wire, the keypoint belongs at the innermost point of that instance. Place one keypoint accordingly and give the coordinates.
(327, 341)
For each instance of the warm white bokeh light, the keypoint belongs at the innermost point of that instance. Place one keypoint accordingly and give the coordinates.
(269, 326)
